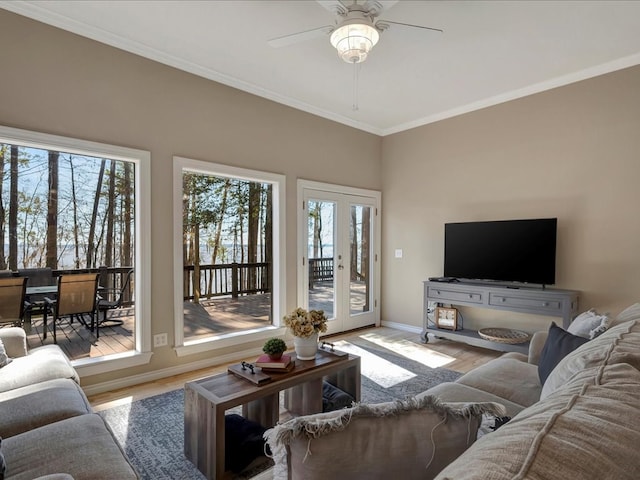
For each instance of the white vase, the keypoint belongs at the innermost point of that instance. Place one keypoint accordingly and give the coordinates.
(306, 347)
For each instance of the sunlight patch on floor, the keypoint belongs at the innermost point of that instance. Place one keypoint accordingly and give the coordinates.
(413, 351)
(381, 371)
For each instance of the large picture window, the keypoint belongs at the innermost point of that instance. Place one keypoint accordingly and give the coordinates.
(229, 222)
(71, 207)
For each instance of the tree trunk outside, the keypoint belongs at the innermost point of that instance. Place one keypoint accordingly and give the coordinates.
(13, 209)
(110, 213)
(52, 212)
(127, 258)
(76, 227)
(223, 209)
(252, 234)
(365, 258)
(353, 241)
(3, 262)
(94, 217)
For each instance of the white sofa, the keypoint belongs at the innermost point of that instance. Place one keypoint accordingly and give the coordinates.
(583, 423)
(47, 426)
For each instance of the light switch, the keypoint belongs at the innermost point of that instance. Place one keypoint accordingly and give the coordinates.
(398, 253)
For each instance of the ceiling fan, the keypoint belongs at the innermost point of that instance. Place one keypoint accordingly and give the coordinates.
(356, 31)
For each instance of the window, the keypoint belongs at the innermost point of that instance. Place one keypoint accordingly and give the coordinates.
(72, 206)
(228, 268)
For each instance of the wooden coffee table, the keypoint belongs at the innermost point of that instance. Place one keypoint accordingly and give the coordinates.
(207, 399)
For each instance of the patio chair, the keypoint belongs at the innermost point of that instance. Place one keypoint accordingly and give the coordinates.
(77, 296)
(110, 299)
(12, 292)
(36, 277)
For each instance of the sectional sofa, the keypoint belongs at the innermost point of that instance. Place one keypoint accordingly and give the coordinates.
(581, 421)
(47, 427)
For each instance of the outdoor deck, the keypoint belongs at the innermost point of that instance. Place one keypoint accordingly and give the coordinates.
(212, 316)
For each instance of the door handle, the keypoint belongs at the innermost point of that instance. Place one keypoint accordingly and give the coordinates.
(340, 267)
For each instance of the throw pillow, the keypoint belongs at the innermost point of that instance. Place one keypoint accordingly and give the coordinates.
(586, 323)
(243, 442)
(334, 398)
(4, 358)
(411, 439)
(558, 345)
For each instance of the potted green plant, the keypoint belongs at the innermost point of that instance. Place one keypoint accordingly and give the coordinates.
(274, 347)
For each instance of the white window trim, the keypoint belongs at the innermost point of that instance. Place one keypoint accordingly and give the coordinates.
(142, 159)
(181, 164)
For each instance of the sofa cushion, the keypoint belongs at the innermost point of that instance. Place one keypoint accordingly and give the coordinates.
(587, 324)
(453, 392)
(69, 446)
(414, 438)
(29, 407)
(619, 344)
(589, 430)
(558, 345)
(41, 364)
(509, 378)
(632, 312)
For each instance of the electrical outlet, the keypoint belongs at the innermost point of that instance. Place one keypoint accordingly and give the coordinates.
(160, 340)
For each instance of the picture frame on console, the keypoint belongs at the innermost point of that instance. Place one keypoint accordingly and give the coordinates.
(447, 318)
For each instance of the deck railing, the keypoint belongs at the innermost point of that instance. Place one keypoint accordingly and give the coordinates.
(235, 279)
(320, 270)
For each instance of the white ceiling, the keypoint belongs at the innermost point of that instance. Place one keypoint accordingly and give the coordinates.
(490, 51)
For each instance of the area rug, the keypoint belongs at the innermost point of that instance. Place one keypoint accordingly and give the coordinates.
(151, 430)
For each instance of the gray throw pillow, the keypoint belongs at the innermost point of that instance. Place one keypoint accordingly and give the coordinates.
(559, 344)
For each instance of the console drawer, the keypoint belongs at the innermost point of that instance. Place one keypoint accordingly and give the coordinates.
(444, 295)
(539, 304)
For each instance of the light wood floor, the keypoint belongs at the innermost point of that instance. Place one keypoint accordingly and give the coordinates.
(463, 358)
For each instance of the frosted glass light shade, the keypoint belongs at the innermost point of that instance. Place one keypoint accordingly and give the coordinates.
(354, 41)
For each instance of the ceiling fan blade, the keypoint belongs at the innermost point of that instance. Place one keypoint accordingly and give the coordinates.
(385, 23)
(334, 6)
(287, 40)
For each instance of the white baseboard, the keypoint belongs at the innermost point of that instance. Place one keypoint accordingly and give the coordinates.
(189, 367)
(402, 326)
(168, 372)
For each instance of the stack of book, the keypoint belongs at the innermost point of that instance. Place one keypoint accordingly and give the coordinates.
(284, 364)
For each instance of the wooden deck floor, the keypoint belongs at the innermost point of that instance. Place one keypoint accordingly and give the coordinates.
(212, 316)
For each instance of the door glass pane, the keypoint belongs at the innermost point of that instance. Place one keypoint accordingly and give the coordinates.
(360, 259)
(320, 241)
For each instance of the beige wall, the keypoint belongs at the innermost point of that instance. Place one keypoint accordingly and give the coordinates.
(59, 83)
(571, 153)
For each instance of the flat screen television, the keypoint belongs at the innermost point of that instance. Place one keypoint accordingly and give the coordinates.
(504, 250)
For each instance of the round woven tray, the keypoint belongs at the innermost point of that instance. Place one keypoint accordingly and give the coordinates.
(504, 335)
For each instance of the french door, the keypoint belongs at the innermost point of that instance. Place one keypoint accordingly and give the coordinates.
(339, 254)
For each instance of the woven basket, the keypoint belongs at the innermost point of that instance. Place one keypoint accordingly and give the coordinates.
(504, 335)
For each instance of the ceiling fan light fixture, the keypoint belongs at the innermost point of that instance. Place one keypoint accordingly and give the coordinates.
(354, 41)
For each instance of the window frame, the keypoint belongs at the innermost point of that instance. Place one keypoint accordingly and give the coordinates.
(142, 160)
(278, 293)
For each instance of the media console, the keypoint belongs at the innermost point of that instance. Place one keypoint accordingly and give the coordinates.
(537, 301)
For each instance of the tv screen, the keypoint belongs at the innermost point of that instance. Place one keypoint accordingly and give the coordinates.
(505, 250)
